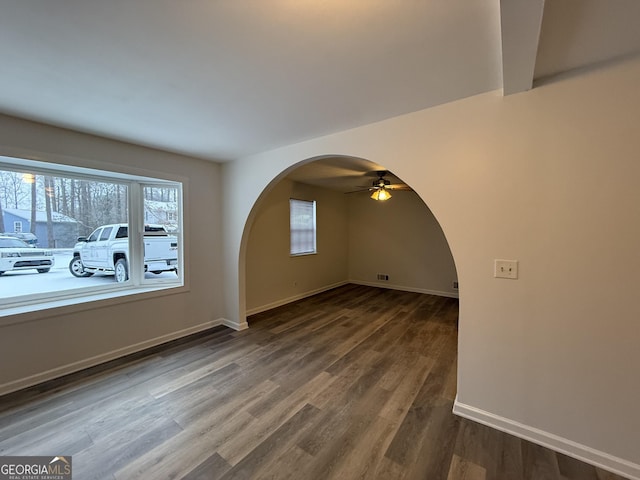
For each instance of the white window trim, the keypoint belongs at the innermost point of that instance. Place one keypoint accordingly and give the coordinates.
(32, 307)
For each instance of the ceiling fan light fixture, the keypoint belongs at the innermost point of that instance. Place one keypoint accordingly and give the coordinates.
(381, 194)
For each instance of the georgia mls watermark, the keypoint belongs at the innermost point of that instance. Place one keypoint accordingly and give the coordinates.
(35, 468)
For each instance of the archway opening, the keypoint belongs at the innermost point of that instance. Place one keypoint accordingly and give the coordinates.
(396, 244)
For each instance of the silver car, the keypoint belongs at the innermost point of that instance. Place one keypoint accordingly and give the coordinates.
(17, 255)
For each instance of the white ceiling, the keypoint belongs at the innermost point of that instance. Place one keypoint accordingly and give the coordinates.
(220, 79)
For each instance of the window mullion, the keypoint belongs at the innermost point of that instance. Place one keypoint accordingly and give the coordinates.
(136, 229)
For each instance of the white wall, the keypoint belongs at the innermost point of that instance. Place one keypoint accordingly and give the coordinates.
(273, 276)
(46, 344)
(548, 177)
(400, 238)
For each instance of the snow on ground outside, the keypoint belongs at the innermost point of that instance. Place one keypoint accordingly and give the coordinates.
(25, 282)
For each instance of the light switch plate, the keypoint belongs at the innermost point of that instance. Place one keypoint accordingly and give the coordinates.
(506, 269)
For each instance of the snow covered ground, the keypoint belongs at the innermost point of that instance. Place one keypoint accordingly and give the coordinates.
(27, 282)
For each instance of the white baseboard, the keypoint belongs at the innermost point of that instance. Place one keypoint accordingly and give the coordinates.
(405, 289)
(102, 358)
(300, 296)
(559, 444)
(235, 325)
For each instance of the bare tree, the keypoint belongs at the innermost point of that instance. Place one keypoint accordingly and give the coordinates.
(72, 199)
(63, 200)
(14, 191)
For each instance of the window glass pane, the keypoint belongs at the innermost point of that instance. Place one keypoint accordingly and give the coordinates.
(161, 231)
(302, 226)
(53, 211)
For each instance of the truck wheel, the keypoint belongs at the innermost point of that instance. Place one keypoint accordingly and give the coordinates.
(156, 272)
(43, 270)
(77, 269)
(122, 271)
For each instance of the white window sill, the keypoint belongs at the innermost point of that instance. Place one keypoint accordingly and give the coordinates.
(306, 254)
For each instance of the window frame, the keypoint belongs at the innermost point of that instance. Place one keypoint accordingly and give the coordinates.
(34, 306)
(314, 229)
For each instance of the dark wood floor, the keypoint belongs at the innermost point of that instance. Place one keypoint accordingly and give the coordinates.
(355, 383)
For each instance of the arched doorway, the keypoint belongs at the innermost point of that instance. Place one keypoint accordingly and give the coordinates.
(397, 244)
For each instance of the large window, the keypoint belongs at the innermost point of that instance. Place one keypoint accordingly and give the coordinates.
(302, 227)
(85, 232)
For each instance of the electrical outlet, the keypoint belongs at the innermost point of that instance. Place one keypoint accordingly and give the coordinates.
(506, 269)
(455, 284)
(383, 276)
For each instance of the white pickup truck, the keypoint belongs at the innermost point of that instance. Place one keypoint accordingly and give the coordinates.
(107, 250)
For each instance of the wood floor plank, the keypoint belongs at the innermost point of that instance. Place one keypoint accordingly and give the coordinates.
(406, 390)
(47, 442)
(285, 466)
(342, 380)
(539, 463)
(213, 467)
(463, 469)
(237, 448)
(112, 455)
(366, 455)
(571, 469)
(228, 403)
(604, 475)
(279, 441)
(508, 453)
(479, 445)
(177, 456)
(431, 457)
(340, 436)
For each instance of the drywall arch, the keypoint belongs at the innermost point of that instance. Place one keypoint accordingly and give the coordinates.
(413, 249)
(245, 181)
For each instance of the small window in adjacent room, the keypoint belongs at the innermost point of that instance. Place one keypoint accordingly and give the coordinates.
(303, 227)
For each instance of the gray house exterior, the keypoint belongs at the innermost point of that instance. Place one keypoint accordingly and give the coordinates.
(65, 229)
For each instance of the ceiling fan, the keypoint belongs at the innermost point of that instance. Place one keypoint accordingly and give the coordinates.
(381, 187)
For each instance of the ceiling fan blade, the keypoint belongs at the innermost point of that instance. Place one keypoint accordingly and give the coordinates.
(399, 186)
(358, 191)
